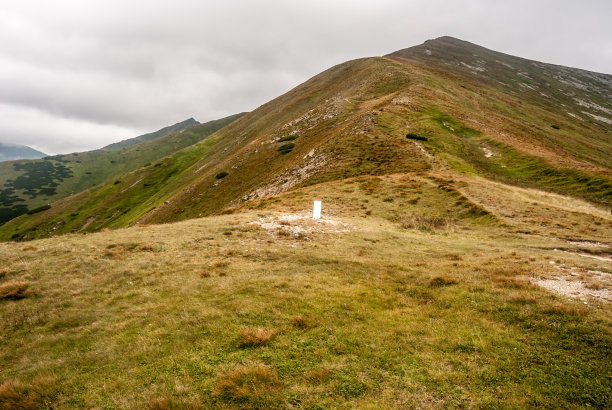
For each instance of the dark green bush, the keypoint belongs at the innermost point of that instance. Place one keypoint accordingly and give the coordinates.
(556, 127)
(415, 137)
(39, 209)
(286, 148)
(221, 175)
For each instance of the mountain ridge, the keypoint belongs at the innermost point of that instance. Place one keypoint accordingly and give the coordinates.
(30, 185)
(151, 135)
(352, 120)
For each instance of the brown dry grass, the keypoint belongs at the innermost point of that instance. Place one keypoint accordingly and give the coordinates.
(300, 321)
(425, 223)
(15, 290)
(220, 264)
(168, 403)
(596, 285)
(562, 309)
(508, 282)
(17, 395)
(253, 386)
(317, 375)
(524, 300)
(255, 336)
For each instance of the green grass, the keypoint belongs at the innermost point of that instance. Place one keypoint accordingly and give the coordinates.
(396, 317)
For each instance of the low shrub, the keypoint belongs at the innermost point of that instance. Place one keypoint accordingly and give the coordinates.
(286, 148)
(287, 138)
(221, 175)
(39, 209)
(255, 336)
(411, 136)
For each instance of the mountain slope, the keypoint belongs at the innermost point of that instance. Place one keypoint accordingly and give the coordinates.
(352, 120)
(462, 267)
(152, 135)
(32, 184)
(10, 152)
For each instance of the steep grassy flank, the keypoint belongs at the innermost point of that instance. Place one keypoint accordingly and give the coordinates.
(349, 121)
(152, 135)
(39, 182)
(366, 308)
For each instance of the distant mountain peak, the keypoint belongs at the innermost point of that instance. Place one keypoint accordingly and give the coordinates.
(9, 152)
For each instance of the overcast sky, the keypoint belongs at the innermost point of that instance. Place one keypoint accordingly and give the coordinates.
(77, 75)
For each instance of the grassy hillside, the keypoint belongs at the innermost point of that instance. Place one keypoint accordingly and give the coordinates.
(353, 120)
(406, 294)
(32, 184)
(152, 135)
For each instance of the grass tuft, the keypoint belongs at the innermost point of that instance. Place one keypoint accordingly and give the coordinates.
(426, 223)
(317, 375)
(507, 282)
(255, 336)
(300, 321)
(17, 395)
(254, 386)
(15, 290)
(440, 281)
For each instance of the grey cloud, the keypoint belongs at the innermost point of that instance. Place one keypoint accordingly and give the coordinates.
(112, 66)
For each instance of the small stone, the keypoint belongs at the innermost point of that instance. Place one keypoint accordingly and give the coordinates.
(573, 274)
(552, 262)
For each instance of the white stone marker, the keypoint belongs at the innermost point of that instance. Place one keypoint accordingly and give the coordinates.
(316, 210)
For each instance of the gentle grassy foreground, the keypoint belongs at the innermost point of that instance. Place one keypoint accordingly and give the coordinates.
(221, 312)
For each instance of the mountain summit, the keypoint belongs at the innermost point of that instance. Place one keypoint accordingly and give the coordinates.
(557, 84)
